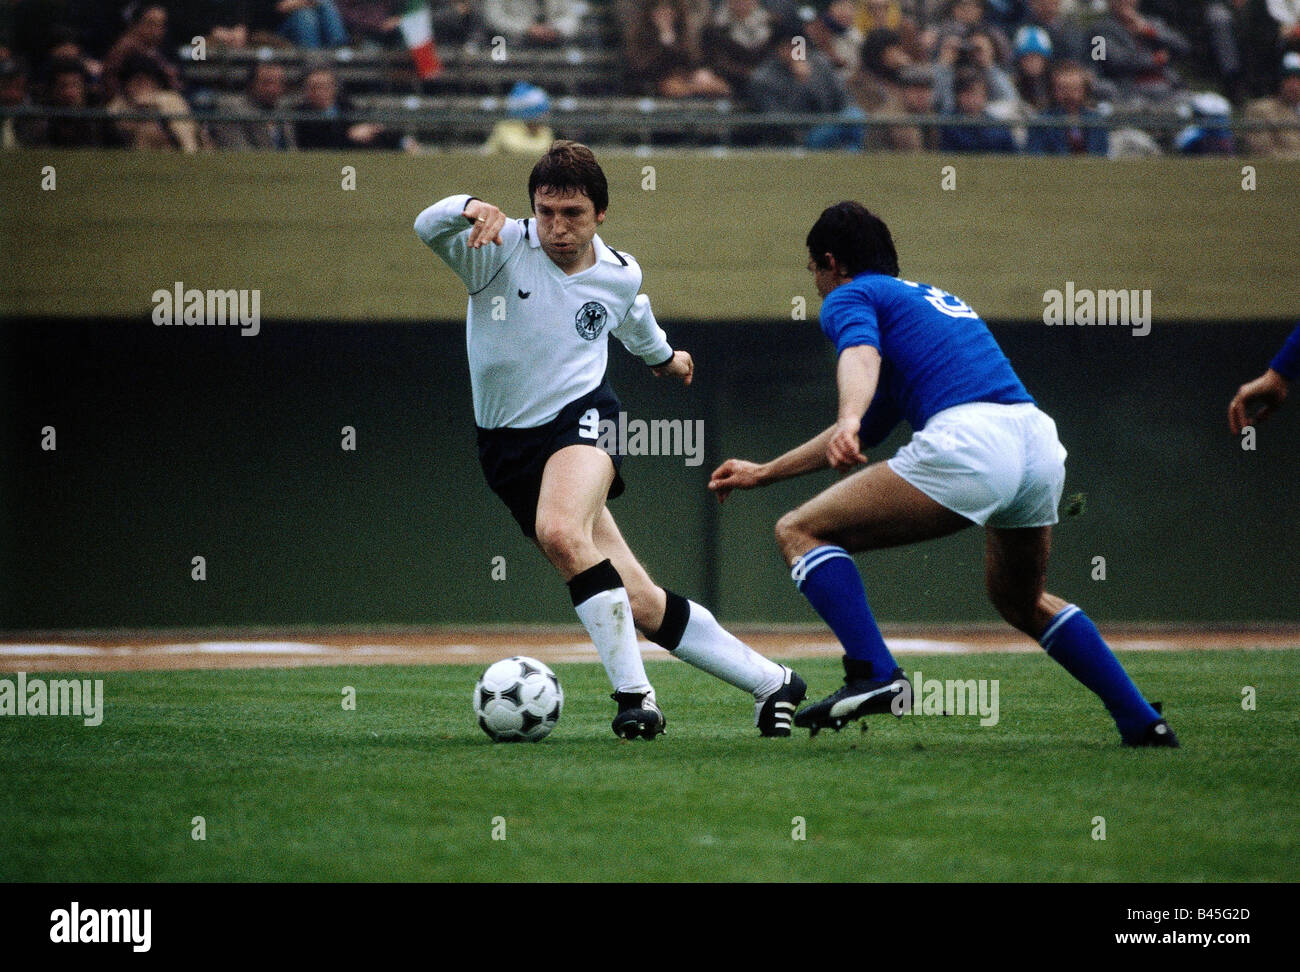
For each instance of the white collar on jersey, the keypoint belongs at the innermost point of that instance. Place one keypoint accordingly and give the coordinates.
(602, 248)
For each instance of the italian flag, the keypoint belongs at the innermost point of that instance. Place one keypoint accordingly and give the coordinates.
(417, 31)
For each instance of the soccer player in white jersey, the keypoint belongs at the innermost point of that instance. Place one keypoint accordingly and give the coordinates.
(540, 394)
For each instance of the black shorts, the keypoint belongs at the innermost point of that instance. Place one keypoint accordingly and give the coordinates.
(513, 459)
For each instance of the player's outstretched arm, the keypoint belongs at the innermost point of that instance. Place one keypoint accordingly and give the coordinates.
(857, 375)
(1256, 400)
(459, 228)
(486, 222)
(742, 474)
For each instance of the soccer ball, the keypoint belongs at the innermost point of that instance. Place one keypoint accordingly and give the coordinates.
(518, 700)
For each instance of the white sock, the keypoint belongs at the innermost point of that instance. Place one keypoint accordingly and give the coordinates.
(607, 616)
(712, 648)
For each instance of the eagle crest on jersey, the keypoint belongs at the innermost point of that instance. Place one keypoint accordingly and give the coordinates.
(590, 320)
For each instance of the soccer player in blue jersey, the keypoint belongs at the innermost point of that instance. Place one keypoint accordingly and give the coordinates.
(1257, 400)
(981, 453)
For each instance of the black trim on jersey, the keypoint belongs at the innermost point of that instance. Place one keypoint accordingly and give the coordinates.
(666, 361)
(475, 293)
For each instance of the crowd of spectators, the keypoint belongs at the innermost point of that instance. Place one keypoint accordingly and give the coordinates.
(1035, 76)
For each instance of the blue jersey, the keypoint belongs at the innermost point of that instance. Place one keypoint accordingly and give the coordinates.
(1287, 361)
(935, 351)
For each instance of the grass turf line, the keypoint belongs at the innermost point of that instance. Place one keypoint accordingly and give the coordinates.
(406, 787)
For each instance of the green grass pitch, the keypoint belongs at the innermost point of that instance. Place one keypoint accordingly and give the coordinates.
(292, 786)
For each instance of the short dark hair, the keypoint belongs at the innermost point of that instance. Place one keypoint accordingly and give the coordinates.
(857, 238)
(568, 167)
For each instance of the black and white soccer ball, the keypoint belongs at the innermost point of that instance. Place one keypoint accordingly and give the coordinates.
(518, 700)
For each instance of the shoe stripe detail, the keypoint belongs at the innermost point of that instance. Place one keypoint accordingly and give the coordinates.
(846, 706)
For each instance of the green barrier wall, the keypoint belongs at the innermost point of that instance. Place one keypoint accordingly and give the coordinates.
(176, 442)
(181, 442)
(719, 238)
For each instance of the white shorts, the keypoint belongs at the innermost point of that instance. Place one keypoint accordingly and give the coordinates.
(999, 465)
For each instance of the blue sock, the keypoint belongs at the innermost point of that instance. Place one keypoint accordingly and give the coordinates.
(830, 580)
(1074, 642)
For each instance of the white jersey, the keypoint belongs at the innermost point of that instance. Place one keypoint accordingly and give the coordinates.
(536, 335)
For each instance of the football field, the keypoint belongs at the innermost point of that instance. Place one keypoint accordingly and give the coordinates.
(378, 772)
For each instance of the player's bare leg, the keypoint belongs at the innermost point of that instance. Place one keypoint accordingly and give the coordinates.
(870, 510)
(1015, 573)
(574, 486)
(575, 483)
(648, 599)
(691, 632)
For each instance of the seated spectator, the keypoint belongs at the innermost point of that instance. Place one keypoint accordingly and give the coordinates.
(144, 90)
(145, 38)
(972, 95)
(978, 53)
(266, 88)
(877, 86)
(320, 94)
(964, 18)
(460, 23)
(66, 48)
(1032, 53)
(836, 35)
(916, 97)
(1139, 52)
(1284, 107)
(525, 132)
(17, 132)
(69, 88)
(1070, 100)
(1248, 39)
(1210, 133)
(1064, 30)
(534, 21)
(376, 22)
(312, 24)
(737, 39)
(785, 83)
(663, 42)
(872, 15)
(1287, 15)
(1004, 14)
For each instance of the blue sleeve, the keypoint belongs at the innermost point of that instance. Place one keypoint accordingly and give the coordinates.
(849, 320)
(1287, 361)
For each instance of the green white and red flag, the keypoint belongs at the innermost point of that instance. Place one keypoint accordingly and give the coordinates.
(417, 31)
